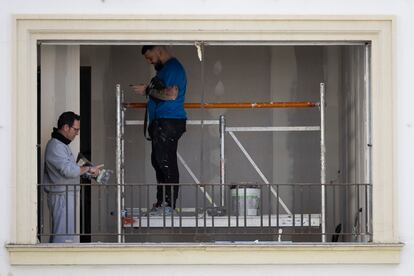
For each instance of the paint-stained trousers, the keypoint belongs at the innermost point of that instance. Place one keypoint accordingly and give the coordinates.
(62, 208)
(165, 134)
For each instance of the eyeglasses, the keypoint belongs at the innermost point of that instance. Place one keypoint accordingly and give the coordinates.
(76, 129)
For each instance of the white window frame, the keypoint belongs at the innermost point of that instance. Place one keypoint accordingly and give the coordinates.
(30, 29)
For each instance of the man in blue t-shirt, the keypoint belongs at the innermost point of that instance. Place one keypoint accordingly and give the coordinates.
(167, 121)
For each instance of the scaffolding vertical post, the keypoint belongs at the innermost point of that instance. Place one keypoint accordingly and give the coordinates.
(122, 186)
(323, 162)
(222, 125)
(118, 159)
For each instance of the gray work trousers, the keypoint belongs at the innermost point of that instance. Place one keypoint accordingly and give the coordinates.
(62, 208)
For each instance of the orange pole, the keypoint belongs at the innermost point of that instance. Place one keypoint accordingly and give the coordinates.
(236, 105)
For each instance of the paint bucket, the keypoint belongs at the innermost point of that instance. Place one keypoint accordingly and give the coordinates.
(252, 200)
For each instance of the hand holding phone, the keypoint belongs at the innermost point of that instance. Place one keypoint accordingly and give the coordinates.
(138, 88)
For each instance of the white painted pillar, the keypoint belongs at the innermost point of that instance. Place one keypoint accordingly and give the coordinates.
(60, 82)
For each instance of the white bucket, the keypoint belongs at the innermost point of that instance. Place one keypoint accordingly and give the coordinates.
(252, 201)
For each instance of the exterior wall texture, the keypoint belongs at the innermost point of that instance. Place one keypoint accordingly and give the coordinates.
(404, 114)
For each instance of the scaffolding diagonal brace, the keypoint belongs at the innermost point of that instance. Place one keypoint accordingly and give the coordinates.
(195, 179)
(257, 169)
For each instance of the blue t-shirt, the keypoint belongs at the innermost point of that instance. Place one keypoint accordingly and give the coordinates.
(172, 74)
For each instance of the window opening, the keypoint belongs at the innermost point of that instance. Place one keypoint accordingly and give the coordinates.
(219, 205)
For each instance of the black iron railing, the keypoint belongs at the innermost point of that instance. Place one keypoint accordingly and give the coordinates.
(214, 213)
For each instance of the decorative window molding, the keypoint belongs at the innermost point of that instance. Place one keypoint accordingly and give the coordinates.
(31, 29)
(104, 254)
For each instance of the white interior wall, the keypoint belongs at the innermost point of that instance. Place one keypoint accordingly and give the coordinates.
(333, 70)
(59, 86)
(404, 133)
(277, 73)
(353, 134)
(296, 73)
(59, 93)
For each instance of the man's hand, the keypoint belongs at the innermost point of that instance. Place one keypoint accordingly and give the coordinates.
(139, 89)
(95, 170)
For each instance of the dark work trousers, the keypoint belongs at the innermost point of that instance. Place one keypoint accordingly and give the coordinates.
(164, 135)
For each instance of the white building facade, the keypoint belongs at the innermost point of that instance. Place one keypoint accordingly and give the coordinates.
(386, 24)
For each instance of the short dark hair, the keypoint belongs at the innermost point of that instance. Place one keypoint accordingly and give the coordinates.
(67, 118)
(146, 48)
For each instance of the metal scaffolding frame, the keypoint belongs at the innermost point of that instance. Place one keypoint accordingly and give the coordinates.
(120, 157)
